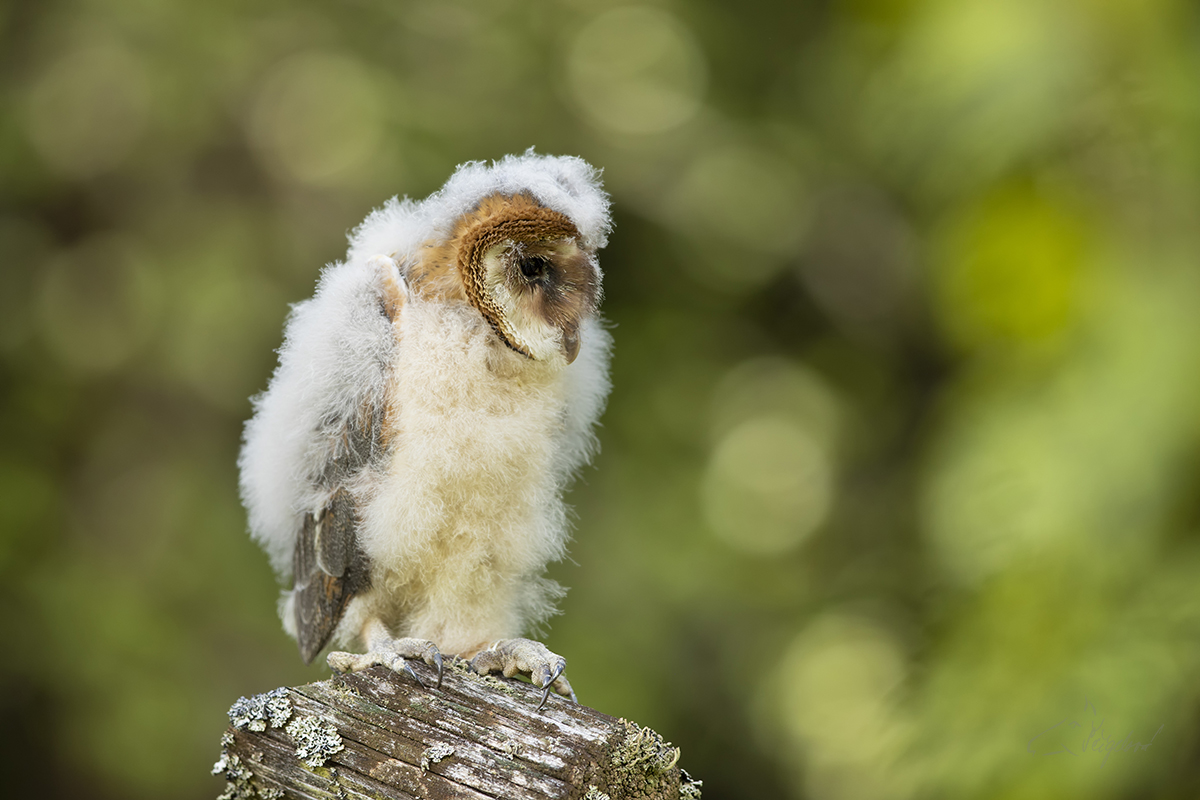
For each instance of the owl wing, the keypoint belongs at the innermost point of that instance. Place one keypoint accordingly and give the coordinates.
(329, 566)
(316, 434)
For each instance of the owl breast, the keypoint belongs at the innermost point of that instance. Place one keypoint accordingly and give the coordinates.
(466, 502)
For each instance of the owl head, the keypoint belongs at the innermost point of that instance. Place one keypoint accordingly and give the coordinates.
(527, 271)
(516, 239)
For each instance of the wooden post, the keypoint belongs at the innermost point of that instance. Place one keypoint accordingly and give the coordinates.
(376, 734)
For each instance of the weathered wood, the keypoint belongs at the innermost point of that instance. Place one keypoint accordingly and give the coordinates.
(376, 734)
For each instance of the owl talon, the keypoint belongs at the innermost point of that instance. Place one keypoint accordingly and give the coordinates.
(408, 668)
(393, 654)
(549, 682)
(527, 657)
(548, 678)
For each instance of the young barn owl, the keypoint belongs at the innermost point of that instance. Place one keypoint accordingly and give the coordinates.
(406, 465)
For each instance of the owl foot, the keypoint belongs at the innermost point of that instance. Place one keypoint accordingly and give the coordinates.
(393, 654)
(527, 657)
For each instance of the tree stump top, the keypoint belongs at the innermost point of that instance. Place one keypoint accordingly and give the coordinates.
(376, 734)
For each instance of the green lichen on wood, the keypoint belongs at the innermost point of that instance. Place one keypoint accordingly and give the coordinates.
(645, 750)
(644, 765)
(345, 689)
(494, 741)
(316, 740)
(689, 787)
(273, 708)
(435, 753)
(509, 746)
(239, 778)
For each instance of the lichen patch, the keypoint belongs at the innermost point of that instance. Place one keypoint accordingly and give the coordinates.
(316, 740)
(644, 749)
(237, 776)
(434, 754)
(272, 708)
(689, 787)
(644, 765)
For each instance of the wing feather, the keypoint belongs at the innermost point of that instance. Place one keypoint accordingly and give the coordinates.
(317, 427)
(330, 568)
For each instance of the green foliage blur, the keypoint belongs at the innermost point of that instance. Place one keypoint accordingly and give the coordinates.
(899, 494)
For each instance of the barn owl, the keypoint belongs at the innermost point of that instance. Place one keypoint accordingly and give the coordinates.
(405, 466)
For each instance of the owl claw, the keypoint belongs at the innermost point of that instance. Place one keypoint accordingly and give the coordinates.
(527, 657)
(408, 668)
(551, 677)
(394, 654)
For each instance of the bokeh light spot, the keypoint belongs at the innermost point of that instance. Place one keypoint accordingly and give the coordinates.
(1003, 490)
(778, 387)
(637, 70)
(317, 119)
(836, 693)
(974, 86)
(98, 305)
(1010, 271)
(768, 486)
(746, 195)
(88, 109)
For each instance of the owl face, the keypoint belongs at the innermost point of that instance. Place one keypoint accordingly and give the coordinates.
(543, 290)
(523, 268)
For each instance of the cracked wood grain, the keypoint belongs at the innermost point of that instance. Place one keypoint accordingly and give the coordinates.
(375, 734)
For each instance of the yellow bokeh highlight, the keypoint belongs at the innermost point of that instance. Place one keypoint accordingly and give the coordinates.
(768, 486)
(770, 480)
(836, 696)
(971, 87)
(1009, 271)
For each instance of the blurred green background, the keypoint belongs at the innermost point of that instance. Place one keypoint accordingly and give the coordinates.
(902, 462)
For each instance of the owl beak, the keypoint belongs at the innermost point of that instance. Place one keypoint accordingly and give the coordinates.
(570, 342)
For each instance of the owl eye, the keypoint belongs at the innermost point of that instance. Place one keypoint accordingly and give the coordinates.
(534, 268)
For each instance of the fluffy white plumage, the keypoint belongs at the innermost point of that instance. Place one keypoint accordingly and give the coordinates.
(461, 509)
(566, 184)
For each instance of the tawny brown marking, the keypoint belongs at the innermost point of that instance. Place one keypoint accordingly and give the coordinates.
(452, 270)
(391, 294)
